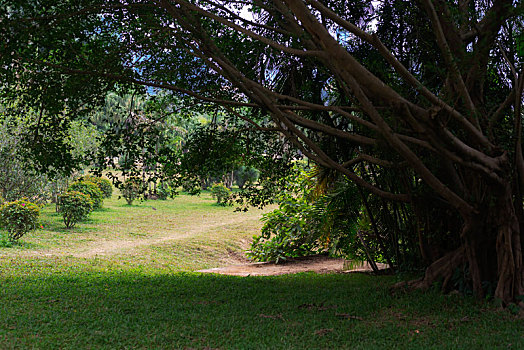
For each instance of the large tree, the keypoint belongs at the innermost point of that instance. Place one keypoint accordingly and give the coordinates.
(428, 90)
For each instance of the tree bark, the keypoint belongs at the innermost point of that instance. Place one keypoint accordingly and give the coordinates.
(491, 250)
(509, 251)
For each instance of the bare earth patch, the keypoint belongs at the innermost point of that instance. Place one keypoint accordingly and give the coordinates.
(318, 264)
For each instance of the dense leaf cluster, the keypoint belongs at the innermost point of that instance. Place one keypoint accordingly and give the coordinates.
(75, 206)
(18, 218)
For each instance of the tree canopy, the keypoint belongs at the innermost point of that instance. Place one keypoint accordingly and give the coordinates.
(416, 102)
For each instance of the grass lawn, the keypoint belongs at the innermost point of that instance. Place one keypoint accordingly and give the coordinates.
(184, 234)
(123, 280)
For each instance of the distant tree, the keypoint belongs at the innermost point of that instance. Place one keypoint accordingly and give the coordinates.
(18, 178)
(245, 175)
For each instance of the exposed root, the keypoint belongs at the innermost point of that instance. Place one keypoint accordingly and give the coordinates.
(510, 270)
(441, 269)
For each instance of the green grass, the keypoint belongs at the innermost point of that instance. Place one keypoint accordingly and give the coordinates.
(123, 309)
(54, 295)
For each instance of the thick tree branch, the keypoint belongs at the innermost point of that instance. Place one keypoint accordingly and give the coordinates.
(313, 125)
(451, 63)
(408, 155)
(362, 157)
(399, 67)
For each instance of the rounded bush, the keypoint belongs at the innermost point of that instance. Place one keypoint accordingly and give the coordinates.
(90, 189)
(164, 191)
(102, 183)
(221, 193)
(74, 206)
(19, 217)
(131, 189)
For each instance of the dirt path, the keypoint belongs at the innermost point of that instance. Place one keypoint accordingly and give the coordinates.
(318, 264)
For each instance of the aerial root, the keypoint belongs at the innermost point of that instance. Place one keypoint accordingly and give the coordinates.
(442, 268)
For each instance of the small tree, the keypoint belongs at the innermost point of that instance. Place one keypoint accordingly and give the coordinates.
(18, 218)
(131, 189)
(75, 206)
(245, 175)
(164, 190)
(221, 193)
(90, 189)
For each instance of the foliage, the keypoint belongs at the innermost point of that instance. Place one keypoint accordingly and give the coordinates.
(74, 207)
(84, 140)
(213, 152)
(246, 175)
(89, 188)
(285, 233)
(116, 109)
(220, 193)
(18, 177)
(105, 187)
(136, 146)
(164, 190)
(131, 189)
(308, 223)
(18, 218)
(103, 184)
(426, 93)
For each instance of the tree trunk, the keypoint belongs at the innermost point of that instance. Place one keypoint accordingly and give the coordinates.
(509, 251)
(491, 249)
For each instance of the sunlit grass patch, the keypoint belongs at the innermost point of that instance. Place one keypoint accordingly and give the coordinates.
(118, 225)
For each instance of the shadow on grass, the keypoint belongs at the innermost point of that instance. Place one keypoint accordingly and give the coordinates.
(56, 226)
(54, 222)
(19, 244)
(131, 310)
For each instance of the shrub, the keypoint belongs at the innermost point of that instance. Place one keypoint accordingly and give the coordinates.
(102, 183)
(286, 232)
(19, 217)
(192, 185)
(311, 220)
(90, 189)
(164, 191)
(131, 189)
(221, 193)
(74, 206)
